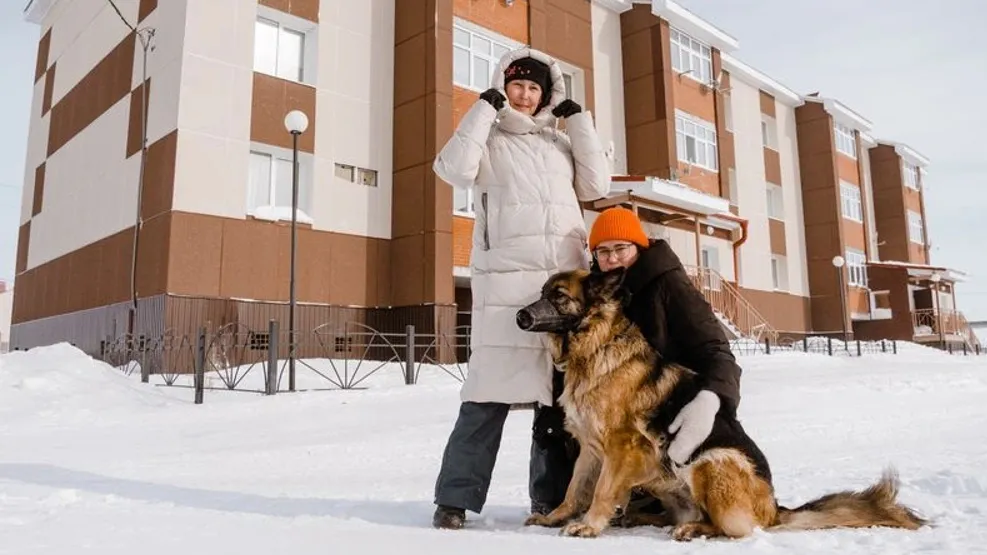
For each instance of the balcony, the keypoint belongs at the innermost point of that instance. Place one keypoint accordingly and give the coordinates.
(942, 327)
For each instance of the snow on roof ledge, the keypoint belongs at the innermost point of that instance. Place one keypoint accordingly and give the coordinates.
(760, 80)
(683, 19)
(669, 193)
(907, 152)
(619, 6)
(36, 10)
(841, 112)
(924, 270)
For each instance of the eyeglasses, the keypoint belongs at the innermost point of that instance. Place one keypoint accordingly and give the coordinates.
(621, 251)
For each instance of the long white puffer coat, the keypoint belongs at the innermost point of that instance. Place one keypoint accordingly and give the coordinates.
(527, 177)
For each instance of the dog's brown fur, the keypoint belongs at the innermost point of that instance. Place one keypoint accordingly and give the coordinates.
(612, 389)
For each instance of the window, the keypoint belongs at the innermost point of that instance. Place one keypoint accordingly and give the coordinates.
(779, 272)
(353, 174)
(769, 132)
(856, 267)
(462, 201)
(711, 261)
(278, 51)
(916, 231)
(845, 141)
(909, 174)
(775, 201)
(574, 79)
(270, 182)
(850, 200)
(688, 54)
(695, 141)
(475, 55)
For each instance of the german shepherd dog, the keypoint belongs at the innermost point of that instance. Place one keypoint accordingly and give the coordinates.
(618, 400)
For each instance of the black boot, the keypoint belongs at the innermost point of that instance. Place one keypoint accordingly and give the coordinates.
(449, 518)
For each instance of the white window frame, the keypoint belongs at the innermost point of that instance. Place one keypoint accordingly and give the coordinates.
(348, 173)
(779, 272)
(271, 210)
(284, 22)
(851, 203)
(710, 259)
(909, 175)
(856, 268)
(846, 142)
(916, 228)
(775, 201)
(708, 141)
(576, 87)
(692, 55)
(469, 199)
(473, 31)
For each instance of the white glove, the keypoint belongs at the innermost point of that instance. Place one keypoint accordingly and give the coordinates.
(693, 424)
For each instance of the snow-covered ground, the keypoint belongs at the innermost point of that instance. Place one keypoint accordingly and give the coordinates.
(93, 461)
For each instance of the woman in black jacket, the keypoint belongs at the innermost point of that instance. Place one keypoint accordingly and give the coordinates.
(676, 320)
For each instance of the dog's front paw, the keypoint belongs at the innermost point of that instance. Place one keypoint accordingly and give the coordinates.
(580, 530)
(688, 531)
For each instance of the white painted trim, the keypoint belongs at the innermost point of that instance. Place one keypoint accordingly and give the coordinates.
(907, 152)
(841, 113)
(37, 10)
(757, 79)
(866, 139)
(694, 25)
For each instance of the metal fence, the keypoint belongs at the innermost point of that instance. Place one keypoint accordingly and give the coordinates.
(816, 344)
(341, 356)
(330, 356)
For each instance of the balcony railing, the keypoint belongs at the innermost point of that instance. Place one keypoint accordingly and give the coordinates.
(731, 304)
(928, 322)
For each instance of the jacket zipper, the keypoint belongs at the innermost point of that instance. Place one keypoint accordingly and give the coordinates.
(486, 222)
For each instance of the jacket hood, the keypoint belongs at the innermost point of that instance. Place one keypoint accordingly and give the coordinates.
(514, 121)
(657, 259)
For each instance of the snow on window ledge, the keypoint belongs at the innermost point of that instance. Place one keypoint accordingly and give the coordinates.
(280, 213)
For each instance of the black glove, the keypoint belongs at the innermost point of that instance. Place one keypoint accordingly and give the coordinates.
(566, 108)
(494, 97)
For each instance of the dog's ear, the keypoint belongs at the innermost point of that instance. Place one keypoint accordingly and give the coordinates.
(605, 284)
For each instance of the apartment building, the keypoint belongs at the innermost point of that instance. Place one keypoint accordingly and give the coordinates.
(724, 162)
(902, 280)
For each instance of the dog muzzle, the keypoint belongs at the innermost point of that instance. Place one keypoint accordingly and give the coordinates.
(541, 315)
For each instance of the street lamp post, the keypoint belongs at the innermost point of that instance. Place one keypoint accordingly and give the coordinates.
(935, 278)
(296, 122)
(838, 263)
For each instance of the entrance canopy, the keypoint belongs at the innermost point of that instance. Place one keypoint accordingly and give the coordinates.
(661, 195)
(923, 271)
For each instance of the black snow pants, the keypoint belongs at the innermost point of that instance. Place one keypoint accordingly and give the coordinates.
(471, 452)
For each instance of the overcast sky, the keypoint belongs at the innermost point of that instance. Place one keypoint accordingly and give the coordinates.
(917, 70)
(19, 43)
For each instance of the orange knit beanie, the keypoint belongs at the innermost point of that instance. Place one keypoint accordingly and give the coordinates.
(617, 224)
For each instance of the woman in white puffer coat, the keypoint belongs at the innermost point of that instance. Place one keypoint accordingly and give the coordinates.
(528, 178)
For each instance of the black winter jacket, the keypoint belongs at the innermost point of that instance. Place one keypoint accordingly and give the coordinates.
(679, 323)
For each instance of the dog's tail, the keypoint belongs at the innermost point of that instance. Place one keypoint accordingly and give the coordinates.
(874, 506)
